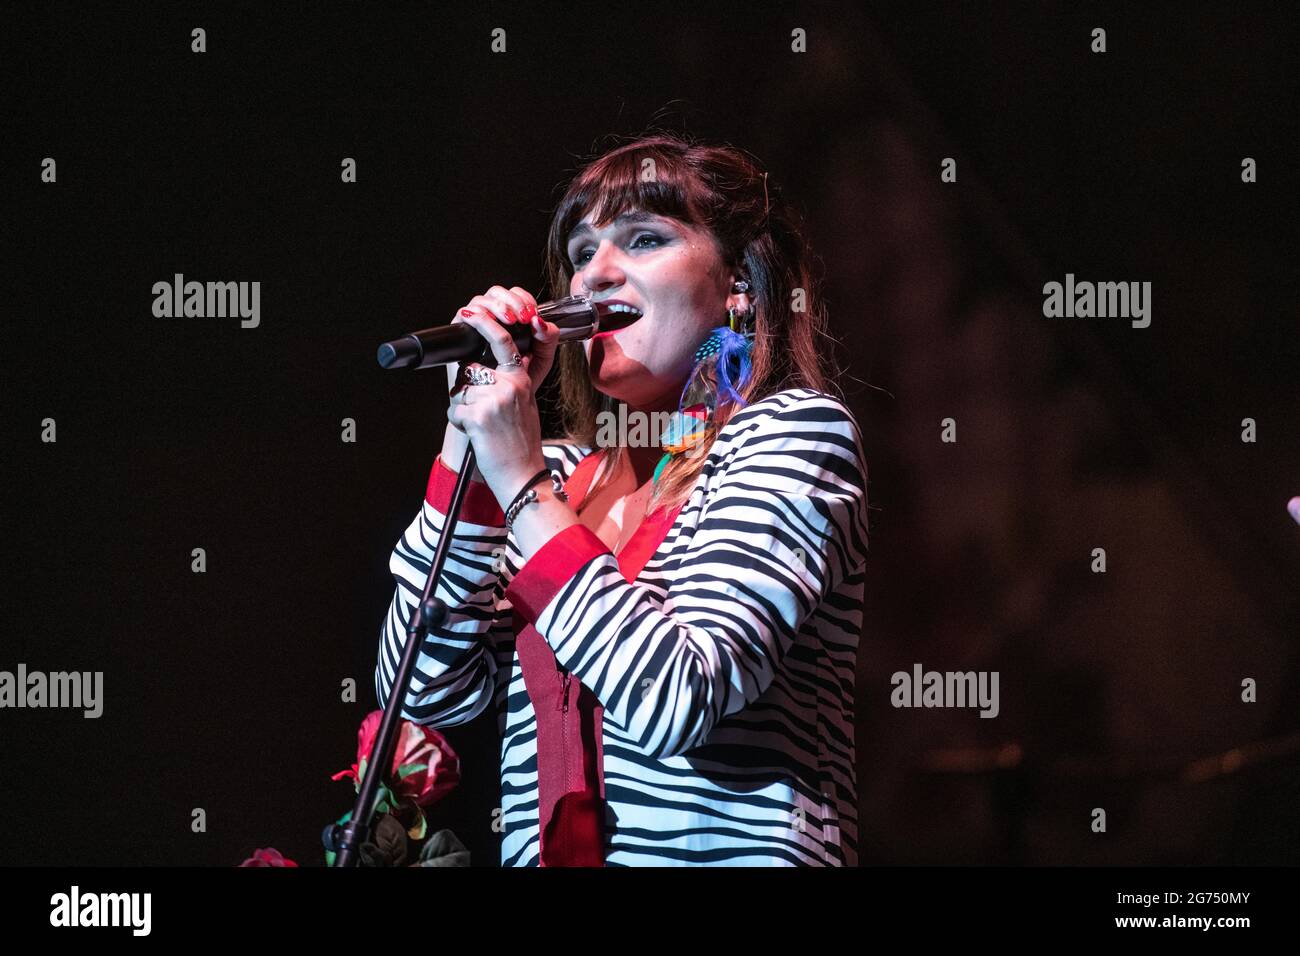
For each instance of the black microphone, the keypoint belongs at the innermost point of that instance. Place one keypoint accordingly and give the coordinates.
(577, 316)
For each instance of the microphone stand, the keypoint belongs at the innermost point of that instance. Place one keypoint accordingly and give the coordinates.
(577, 318)
(430, 612)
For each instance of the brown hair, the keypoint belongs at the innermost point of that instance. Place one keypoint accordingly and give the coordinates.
(723, 190)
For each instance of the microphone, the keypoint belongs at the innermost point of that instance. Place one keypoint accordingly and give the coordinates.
(576, 315)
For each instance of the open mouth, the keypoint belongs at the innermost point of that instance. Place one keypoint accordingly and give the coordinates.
(616, 317)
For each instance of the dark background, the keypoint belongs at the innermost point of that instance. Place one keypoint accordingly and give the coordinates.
(222, 690)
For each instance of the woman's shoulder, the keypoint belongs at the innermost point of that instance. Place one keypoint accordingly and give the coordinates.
(795, 431)
(798, 444)
(797, 409)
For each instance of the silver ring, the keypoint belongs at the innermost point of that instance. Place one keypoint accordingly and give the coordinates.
(480, 376)
(516, 360)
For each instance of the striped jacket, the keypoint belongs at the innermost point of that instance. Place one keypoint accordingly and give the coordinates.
(726, 670)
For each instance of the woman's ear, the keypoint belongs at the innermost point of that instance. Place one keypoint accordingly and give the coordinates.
(739, 298)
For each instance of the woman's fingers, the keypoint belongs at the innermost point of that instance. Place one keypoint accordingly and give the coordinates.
(484, 320)
(491, 313)
(513, 304)
(462, 396)
(459, 387)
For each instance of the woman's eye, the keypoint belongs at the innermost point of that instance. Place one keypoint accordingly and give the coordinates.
(581, 257)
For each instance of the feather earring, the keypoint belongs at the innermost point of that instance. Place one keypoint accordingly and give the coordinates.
(722, 369)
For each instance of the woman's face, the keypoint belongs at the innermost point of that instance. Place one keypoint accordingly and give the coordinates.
(671, 271)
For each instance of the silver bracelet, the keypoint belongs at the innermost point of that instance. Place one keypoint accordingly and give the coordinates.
(557, 489)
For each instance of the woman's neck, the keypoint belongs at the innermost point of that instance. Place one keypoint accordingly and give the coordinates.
(645, 460)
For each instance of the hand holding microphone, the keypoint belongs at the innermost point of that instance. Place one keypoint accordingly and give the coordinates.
(576, 316)
(496, 409)
(491, 314)
(499, 413)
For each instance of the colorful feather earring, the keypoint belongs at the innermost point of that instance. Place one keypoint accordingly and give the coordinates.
(722, 369)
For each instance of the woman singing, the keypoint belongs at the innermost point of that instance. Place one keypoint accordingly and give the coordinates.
(667, 628)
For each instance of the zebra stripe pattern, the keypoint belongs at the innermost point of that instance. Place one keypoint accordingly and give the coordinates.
(727, 670)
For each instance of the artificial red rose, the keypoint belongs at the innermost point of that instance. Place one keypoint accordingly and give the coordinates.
(424, 768)
(268, 856)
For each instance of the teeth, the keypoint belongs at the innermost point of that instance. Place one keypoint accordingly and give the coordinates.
(631, 312)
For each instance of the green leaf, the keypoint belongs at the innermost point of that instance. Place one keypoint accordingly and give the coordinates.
(418, 831)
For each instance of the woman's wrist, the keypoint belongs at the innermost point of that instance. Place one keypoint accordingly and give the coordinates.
(539, 521)
(509, 485)
(511, 507)
(455, 446)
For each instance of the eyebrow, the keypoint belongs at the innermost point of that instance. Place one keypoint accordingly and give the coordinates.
(583, 229)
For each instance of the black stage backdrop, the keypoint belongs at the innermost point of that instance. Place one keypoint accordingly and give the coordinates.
(223, 690)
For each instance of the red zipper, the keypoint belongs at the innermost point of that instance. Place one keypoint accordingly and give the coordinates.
(565, 677)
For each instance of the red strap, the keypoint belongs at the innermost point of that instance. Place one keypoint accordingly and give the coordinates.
(570, 719)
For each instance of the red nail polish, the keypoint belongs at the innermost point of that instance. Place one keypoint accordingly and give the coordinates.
(467, 313)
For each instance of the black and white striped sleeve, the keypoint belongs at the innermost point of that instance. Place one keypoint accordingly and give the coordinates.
(784, 522)
(455, 674)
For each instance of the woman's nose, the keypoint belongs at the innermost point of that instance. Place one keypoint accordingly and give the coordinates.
(603, 270)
